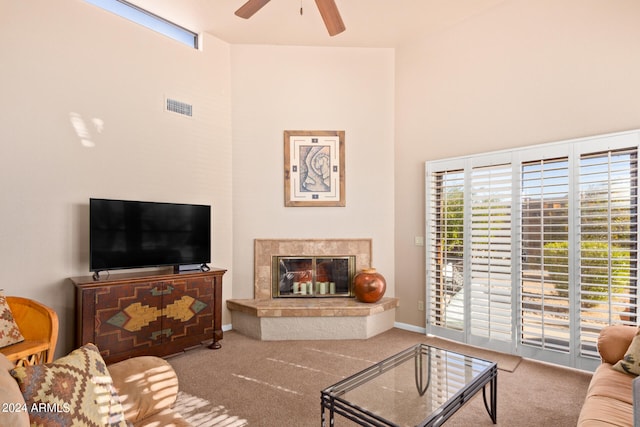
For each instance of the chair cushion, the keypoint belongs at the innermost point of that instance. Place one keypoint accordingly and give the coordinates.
(147, 385)
(73, 390)
(9, 330)
(14, 412)
(611, 383)
(599, 411)
(609, 399)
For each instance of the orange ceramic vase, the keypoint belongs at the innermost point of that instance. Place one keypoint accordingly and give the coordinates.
(369, 285)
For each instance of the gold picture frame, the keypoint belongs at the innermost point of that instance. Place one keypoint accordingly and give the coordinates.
(314, 168)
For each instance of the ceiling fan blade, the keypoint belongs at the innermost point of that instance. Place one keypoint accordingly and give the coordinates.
(247, 10)
(331, 16)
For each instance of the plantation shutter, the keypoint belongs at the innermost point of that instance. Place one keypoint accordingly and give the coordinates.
(490, 262)
(445, 307)
(545, 254)
(608, 234)
(534, 250)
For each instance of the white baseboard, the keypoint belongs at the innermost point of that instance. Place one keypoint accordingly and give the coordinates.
(226, 328)
(408, 327)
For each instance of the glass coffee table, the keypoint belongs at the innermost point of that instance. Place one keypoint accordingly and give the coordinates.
(420, 386)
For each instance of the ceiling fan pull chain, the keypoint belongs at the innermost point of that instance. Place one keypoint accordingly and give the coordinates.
(300, 7)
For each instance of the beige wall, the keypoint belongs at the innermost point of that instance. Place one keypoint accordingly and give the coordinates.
(277, 88)
(67, 60)
(525, 72)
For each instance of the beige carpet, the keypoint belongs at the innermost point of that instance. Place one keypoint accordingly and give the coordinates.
(277, 384)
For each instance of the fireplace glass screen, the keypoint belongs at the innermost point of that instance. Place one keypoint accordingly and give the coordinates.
(313, 276)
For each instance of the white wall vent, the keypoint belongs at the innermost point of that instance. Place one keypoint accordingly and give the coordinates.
(179, 107)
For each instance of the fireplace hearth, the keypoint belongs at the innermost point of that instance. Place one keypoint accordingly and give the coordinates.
(326, 310)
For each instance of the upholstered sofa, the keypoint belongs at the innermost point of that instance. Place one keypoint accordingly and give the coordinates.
(135, 392)
(609, 400)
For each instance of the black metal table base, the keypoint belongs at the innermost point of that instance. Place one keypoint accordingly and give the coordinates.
(492, 407)
(488, 379)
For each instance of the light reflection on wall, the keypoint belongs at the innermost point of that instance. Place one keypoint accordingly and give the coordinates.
(82, 130)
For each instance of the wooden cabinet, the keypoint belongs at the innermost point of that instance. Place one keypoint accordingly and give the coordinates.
(129, 315)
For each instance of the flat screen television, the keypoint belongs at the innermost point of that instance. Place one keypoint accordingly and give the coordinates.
(134, 234)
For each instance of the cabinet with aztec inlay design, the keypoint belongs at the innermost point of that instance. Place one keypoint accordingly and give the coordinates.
(128, 315)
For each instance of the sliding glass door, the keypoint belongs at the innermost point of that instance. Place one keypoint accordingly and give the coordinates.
(532, 251)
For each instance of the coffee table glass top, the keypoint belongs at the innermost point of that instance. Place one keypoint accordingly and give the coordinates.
(419, 386)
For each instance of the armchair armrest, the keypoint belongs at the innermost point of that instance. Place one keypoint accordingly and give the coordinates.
(146, 385)
(613, 342)
(38, 324)
(12, 413)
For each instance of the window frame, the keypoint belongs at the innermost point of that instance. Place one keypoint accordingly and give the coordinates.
(149, 20)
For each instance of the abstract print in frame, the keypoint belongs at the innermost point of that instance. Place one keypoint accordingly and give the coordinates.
(314, 168)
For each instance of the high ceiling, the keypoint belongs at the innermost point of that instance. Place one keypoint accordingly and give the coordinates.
(370, 23)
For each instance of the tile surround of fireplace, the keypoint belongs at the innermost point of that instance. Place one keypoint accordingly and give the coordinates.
(267, 317)
(266, 249)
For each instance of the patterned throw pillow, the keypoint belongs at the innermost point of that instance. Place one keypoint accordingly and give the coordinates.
(75, 390)
(630, 363)
(9, 331)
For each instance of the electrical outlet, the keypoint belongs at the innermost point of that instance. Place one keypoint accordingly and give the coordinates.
(420, 305)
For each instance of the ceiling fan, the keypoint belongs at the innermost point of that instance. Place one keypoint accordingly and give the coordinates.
(328, 11)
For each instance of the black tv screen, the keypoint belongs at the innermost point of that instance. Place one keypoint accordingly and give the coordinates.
(131, 234)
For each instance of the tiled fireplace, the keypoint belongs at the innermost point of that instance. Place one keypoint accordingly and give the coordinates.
(309, 251)
(303, 290)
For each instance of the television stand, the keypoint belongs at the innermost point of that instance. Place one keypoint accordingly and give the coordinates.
(158, 313)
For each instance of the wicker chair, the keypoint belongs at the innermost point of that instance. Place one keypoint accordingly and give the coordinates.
(39, 327)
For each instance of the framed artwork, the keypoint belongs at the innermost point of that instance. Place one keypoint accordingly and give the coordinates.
(314, 168)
